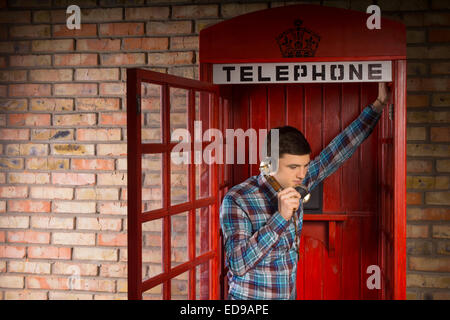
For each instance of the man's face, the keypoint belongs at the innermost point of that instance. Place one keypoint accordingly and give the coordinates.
(292, 169)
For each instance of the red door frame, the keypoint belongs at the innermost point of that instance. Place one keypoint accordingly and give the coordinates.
(135, 149)
(361, 44)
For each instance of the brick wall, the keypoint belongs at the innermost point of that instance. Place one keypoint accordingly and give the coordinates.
(63, 135)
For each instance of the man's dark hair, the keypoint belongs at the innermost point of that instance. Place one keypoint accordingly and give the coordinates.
(291, 141)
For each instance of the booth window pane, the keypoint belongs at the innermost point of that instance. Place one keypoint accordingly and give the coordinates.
(152, 186)
(202, 185)
(179, 239)
(178, 110)
(180, 286)
(152, 249)
(179, 177)
(202, 230)
(151, 131)
(155, 293)
(202, 281)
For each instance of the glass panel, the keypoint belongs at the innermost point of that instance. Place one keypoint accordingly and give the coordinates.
(152, 248)
(178, 110)
(202, 281)
(152, 186)
(179, 178)
(179, 239)
(202, 185)
(180, 286)
(155, 293)
(202, 107)
(201, 230)
(151, 113)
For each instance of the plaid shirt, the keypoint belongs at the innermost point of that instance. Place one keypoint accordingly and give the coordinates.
(260, 250)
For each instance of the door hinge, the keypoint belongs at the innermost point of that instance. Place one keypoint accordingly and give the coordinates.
(138, 104)
(391, 111)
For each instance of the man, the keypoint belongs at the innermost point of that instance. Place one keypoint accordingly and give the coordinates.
(259, 225)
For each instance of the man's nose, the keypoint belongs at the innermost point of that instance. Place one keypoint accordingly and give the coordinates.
(302, 173)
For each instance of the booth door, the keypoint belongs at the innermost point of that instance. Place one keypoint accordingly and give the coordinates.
(341, 242)
(173, 198)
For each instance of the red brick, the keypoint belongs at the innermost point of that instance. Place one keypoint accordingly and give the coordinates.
(72, 149)
(29, 236)
(80, 119)
(29, 120)
(158, 13)
(30, 60)
(413, 198)
(52, 193)
(78, 179)
(183, 43)
(51, 104)
(48, 252)
(76, 59)
(73, 238)
(98, 104)
(13, 75)
(233, 9)
(13, 105)
(428, 84)
(15, 16)
(145, 44)
(171, 58)
(169, 27)
(436, 18)
(28, 177)
(87, 30)
(51, 75)
(121, 29)
(12, 252)
(13, 192)
(27, 90)
(113, 119)
(419, 166)
(29, 206)
(112, 239)
(14, 134)
(438, 264)
(441, 134)
(98, 134)
(75, 89)
(103, 74)
(117, 89)
(30, 31)
(47, 283)
(92, 164)
(102, 15)
(52, 45)
(119, 59)
(98, 45)
(30, 3)
(195, 11)
(111, 150)
(438, 35)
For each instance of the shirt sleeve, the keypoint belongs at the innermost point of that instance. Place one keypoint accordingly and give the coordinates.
(243, 248)
(341, 147)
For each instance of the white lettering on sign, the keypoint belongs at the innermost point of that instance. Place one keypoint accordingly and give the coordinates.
(306, 72)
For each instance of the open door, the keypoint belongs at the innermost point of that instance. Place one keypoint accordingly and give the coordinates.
(173, 220)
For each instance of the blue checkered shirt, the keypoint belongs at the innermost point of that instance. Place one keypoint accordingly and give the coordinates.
(260, 250)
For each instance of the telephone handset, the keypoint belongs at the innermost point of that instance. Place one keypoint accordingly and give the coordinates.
(266, 168)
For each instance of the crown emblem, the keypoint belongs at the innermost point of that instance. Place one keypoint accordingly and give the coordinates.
(298, 41)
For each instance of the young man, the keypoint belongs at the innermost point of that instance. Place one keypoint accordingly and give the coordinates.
(258, 224)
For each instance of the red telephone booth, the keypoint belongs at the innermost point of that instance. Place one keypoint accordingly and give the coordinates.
(307, 66)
